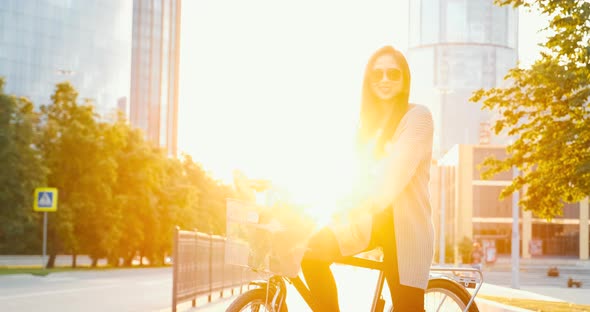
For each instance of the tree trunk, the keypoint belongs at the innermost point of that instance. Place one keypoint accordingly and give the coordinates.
(74, 260)
(155, 260)
(94, 262)
(51, 261)
(128, 261)
(113, 261)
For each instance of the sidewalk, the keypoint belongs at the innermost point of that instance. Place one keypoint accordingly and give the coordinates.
(543, 262)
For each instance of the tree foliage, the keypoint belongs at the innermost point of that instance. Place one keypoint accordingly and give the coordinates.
(21, 171)
(120, 196)
(78, 150)
(545, 108)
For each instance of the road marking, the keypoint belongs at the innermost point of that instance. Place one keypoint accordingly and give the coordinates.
(45, 293)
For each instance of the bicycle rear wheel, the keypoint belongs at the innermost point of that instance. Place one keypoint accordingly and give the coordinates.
(254, 300)
(445, 295)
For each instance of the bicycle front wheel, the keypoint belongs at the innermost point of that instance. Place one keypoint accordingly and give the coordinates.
(254, 300)
(445, 295)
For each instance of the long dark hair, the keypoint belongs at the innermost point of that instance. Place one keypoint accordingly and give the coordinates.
(371, 114)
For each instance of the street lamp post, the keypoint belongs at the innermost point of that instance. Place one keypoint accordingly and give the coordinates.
(442, 92)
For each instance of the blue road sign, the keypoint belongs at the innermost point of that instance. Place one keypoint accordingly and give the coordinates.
(45, 199)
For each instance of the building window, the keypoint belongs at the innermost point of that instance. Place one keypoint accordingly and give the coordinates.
(558, 239)
(487, 202)
(429, 21)
(455, 21)
(415, 21)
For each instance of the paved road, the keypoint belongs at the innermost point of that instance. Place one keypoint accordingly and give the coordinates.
(106, 290)
(149, 289)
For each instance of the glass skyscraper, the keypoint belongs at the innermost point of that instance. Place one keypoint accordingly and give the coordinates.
(455, 48)
(154, 70)
(43, 42)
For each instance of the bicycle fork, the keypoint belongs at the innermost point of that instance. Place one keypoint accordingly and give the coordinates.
(276, 291)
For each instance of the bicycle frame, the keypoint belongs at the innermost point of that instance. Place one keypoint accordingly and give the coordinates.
(351, 261)
(367, 264)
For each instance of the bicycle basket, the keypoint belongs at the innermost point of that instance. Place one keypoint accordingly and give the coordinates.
(266, 239)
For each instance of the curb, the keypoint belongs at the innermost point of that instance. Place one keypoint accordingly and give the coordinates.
(485, 305)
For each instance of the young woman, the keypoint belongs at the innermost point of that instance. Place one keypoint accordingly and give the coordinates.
(395, 213)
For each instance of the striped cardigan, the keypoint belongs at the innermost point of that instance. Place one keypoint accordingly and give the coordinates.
(401, 179)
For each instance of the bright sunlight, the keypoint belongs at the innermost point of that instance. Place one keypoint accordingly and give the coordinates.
(274, 91)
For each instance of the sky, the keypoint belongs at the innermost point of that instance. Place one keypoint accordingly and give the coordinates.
(272, 87)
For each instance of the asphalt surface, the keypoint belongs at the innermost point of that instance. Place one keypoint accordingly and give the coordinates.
(105, 290)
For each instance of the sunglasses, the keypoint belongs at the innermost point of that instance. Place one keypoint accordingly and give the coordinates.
(392, 74)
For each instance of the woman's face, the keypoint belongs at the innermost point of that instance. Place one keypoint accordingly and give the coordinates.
(386, 77)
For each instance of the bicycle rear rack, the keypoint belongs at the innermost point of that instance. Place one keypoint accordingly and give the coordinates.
(468, 281)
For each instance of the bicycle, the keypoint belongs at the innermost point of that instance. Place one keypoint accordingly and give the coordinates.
(442, 294)
(445, 292)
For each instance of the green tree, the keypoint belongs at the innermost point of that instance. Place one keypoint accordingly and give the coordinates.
(75, 149)
(176, 198)
(153, 217)
(210, 207)
(138, 170)
(186, 196)
(22, 170)
(103, 223)
(546, 109)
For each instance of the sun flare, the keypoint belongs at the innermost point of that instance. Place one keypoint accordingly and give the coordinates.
(317, 189)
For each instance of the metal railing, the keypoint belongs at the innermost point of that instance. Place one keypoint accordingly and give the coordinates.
(199, 268)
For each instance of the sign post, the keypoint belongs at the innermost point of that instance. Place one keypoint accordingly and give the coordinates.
(45, 201)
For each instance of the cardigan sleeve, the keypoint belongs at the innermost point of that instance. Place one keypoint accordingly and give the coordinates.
(403, 156)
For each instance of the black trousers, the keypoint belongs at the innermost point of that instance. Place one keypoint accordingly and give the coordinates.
(324, 250)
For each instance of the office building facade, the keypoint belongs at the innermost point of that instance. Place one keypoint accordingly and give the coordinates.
(44, 42)
(455, 48)
(154, 70)
(467, 206)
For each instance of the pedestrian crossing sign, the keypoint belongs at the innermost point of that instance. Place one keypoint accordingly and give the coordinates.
(45, 199)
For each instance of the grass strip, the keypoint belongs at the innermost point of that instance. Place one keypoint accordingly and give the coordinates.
(539, 305)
